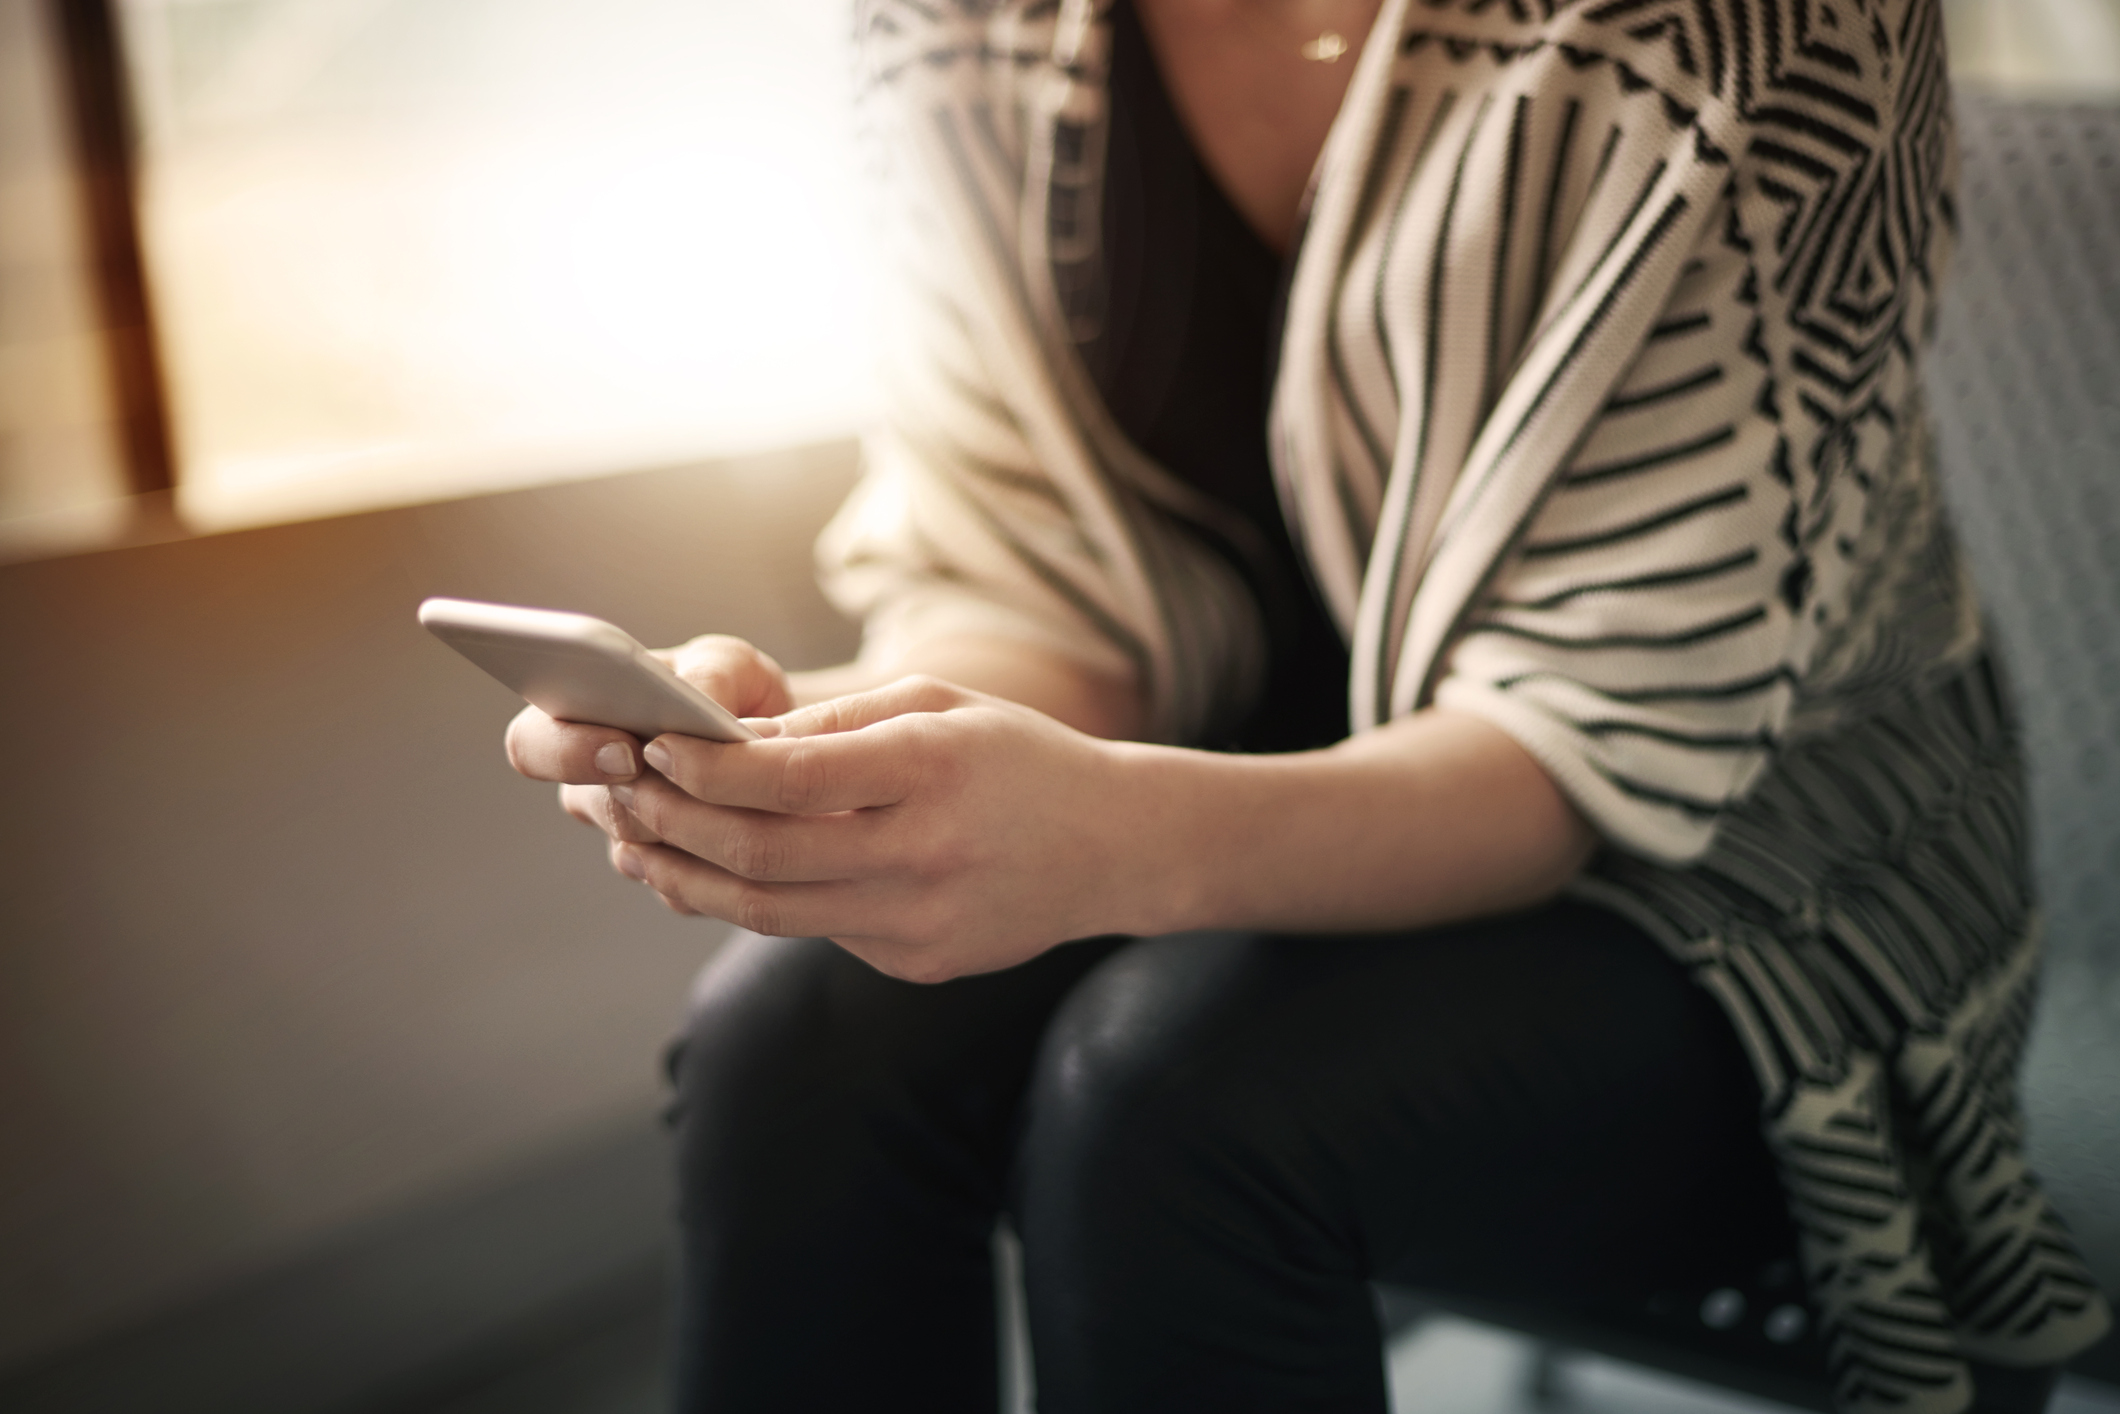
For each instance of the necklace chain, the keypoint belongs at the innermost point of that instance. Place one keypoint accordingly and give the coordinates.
(1326, 48)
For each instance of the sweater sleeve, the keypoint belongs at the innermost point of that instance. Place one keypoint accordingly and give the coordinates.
(1641, 640)
(999, 499)
(978, 514)
(1613, 343)
(956, 529)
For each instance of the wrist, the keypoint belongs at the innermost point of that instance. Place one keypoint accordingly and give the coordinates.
(1179, 819)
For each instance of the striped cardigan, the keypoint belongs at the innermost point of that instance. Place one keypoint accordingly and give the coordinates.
(1597, 415)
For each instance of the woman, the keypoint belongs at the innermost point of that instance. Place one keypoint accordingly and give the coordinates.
(1611, 842)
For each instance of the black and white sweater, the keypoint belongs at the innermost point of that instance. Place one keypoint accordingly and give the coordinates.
(1598, 415)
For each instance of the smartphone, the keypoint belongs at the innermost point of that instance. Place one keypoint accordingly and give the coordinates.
(580, 669)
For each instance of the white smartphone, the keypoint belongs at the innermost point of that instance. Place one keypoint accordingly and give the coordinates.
(580, 669)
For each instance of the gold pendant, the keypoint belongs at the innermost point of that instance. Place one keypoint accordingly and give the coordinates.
(1326, 48)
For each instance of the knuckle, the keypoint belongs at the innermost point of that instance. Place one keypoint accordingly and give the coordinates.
(627, 824)
(710, 656)
(810, 720)
(754, 910)
(646, 808)
(929, 693)
(802, 780)
(907, 773)
(831, 717)
(731, 670)
(939, 695)
(755, 852)
(924, 755)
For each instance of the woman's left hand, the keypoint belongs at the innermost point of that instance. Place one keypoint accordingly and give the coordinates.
(931, 830)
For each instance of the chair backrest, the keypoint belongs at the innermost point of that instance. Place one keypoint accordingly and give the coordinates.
(2025, 387)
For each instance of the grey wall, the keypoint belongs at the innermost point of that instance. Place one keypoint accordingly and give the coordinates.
(284, 946)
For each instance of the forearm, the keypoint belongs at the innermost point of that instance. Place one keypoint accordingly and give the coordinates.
(1437, 817)
(1434, 818)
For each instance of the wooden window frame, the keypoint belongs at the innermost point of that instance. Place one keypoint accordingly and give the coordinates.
(105, 149)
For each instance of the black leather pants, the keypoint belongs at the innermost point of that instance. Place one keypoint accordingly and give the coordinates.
(1210, 1145)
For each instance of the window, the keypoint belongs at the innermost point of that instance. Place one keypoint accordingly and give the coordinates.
(414, 248)
(59, 453)
(410, 249)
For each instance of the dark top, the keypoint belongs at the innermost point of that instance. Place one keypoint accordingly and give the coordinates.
(1184, 357)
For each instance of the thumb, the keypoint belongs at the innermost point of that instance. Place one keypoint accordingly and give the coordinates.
(732, 672)
(856, 710)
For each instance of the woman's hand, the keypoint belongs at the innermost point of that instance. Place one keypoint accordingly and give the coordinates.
(936, 831)
(587, 758)
(931, 830)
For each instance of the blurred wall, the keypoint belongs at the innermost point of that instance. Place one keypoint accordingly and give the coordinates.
(284, 946)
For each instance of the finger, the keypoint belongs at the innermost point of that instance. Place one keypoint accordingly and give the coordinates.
(675, 905)
(918, 693)
(545, 749)
(578, 802)
(850, 753)
(762, 845)
(734, 673)
(597, 807)
(620, 863)
(807, 910)
(816, 775)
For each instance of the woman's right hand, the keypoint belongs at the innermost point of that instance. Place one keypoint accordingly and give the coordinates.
(584, 759)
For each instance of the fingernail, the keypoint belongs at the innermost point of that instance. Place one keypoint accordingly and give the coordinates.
(764, 726)
(632, 865)
(659, 757)
(622, 792)
(615, 758)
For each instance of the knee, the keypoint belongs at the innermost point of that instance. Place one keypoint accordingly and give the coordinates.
(751, 1040)
(748, 1008)
(1133, 1093)
(794, 1054)
(803, 1067)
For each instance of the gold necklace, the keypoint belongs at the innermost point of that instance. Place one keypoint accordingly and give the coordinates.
(1326, 48)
